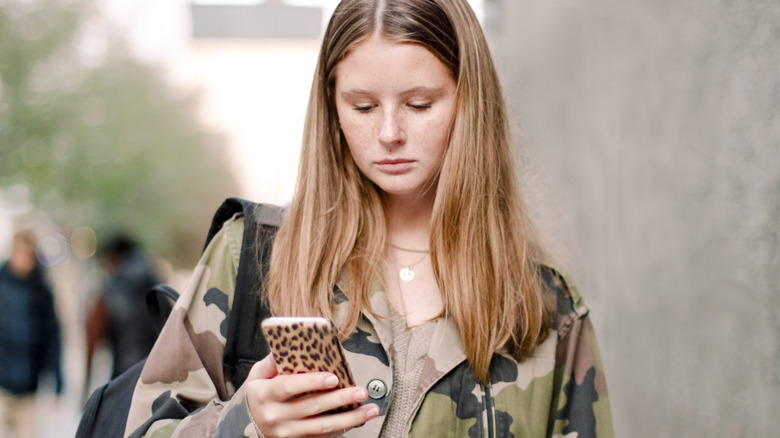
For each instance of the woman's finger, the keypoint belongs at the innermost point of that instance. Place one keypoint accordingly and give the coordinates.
(322, 402)
(286, 387)
(327, 425)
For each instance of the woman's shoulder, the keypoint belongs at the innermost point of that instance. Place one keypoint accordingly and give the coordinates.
(233, 216)
(238, 227)
(562, 300)
(254, 213)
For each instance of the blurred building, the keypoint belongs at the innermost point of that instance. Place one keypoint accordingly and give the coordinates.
(254, 62)
(272, 19)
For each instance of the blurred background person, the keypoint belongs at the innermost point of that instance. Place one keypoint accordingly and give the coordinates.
(119, 316)
(29, 337)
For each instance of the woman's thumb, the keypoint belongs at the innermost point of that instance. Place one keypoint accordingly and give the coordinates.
(264, 369)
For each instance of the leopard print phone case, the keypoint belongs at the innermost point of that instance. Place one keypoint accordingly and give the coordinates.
(303, 345)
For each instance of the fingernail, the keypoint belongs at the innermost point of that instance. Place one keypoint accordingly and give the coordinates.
(373, 412)
(361, 395)
(331, 381)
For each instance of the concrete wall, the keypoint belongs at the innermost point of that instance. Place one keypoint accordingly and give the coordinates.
(654, 129)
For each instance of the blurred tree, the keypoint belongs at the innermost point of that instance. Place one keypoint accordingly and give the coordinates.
(99, 138)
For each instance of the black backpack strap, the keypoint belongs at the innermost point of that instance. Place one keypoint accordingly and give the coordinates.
(245, 343)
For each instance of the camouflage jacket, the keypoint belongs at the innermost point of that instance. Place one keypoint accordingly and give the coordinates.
(558, 392)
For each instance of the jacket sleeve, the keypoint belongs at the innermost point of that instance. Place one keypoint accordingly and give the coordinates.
(580, 405)
(182, 390)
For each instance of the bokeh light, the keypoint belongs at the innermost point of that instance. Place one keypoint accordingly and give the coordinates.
(83, 242)
(53, 249)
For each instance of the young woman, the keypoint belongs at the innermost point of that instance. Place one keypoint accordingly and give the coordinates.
(408, 230)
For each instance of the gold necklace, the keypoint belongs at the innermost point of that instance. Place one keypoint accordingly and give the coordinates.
(406, 273)
(418, 251)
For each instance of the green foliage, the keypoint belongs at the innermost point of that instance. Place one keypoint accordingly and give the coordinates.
(99, 138)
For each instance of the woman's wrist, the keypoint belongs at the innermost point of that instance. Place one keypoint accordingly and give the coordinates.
(259, 432)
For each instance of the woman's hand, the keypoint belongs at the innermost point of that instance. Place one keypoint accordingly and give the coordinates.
(279, 412)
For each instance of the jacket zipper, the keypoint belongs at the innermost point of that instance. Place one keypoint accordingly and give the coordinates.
(490, 411)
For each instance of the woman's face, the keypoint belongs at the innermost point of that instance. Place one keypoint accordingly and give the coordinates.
(395, 103)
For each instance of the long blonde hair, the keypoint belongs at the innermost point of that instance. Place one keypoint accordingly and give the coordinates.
(484, 251)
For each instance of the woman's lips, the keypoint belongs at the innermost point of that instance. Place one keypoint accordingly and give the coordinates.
(397, 165)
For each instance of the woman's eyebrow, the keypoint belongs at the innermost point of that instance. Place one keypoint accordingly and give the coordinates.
(432, 92)
(354, 94)
(427, 91)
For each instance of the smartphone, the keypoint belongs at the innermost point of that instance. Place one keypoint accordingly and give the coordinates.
(308, 344)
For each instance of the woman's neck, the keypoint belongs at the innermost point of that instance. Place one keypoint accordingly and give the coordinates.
(409, 223)
(410, 283)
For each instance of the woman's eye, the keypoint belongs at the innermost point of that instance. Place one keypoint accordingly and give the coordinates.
(419, 106)
(362, 108)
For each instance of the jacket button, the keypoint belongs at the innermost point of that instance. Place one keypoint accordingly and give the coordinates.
(376, 389)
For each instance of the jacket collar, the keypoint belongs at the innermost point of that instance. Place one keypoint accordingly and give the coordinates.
(445, 352)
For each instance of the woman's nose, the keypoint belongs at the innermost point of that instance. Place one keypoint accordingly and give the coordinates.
(391, 133)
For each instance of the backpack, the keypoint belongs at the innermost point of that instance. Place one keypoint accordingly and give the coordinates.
(105, 413)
